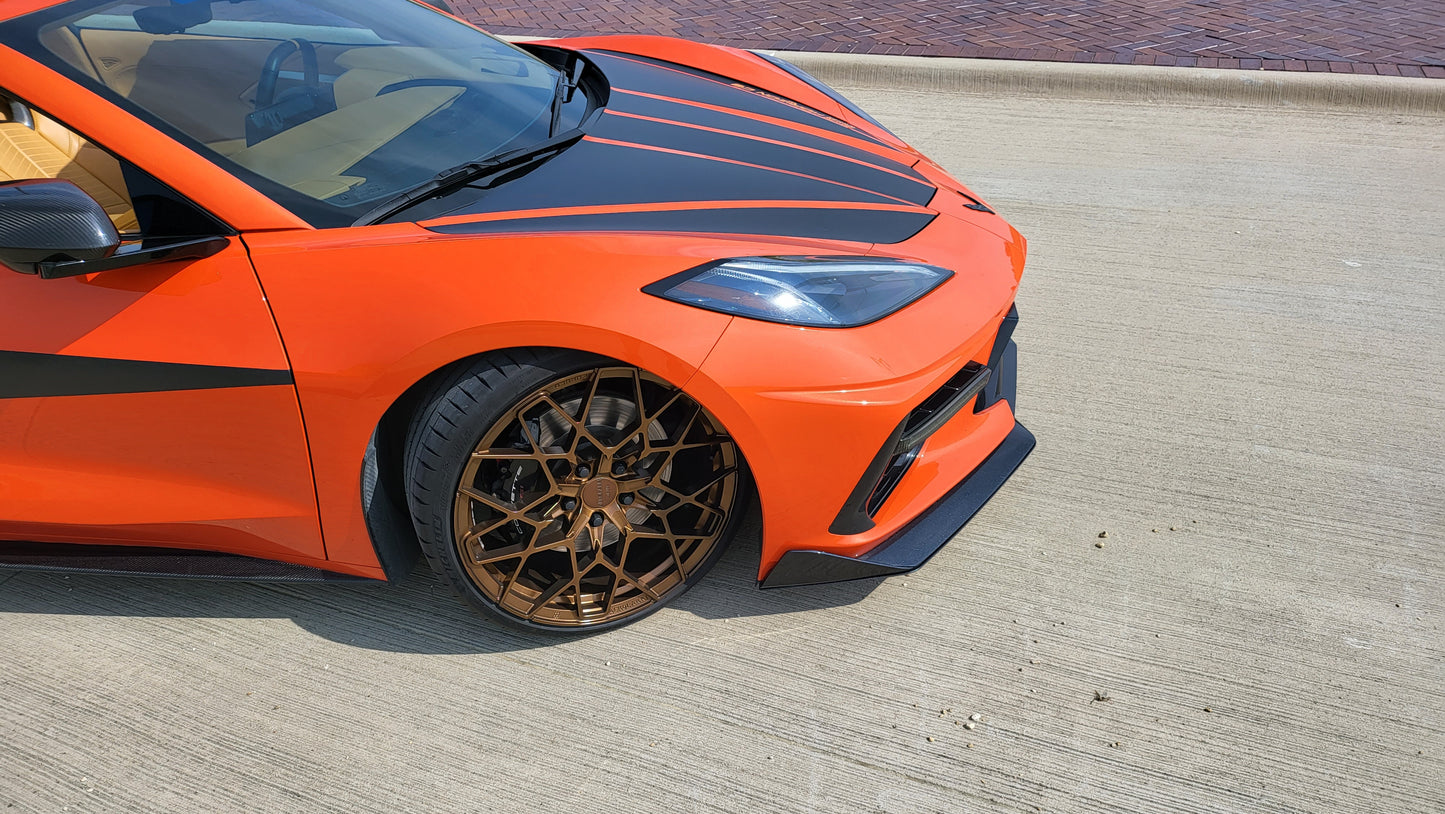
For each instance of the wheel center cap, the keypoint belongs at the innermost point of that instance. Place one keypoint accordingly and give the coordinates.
(599, 493)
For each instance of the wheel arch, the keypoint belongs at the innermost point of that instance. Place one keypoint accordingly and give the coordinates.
(383, 492)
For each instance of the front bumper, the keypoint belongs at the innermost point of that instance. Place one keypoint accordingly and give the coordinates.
(812, 407)
(912, 545)
(915, 543)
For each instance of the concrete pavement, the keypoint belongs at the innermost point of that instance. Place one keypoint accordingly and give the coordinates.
(1233, 322)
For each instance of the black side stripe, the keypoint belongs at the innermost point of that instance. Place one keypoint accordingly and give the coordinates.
(857, 225)
(43, 375)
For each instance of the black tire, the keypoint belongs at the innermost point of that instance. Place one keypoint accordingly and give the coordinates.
(533, 499)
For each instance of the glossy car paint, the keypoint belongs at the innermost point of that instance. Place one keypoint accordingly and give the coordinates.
(361, 315)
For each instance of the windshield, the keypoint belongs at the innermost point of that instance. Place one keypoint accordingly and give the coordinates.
(328, 106)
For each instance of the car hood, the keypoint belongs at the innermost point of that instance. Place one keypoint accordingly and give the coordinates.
(679, 149)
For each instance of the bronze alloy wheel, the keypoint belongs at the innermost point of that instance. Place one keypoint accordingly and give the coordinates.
(594, 498)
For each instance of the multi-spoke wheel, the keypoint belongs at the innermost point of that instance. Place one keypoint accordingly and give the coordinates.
(558, 490)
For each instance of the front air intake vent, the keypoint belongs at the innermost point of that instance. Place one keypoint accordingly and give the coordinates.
(984, 385)
(893, 460)
(934, 412)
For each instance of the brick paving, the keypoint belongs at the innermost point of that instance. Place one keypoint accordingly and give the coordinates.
(1388, 37)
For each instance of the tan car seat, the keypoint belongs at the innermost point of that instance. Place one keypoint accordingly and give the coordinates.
(49, 150)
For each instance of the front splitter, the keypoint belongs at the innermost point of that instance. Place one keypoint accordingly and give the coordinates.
(912, 545)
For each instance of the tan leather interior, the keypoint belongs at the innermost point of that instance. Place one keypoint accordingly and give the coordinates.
(116, 55)
(63, 43)
(52, 151)
(215, 75)
(311, 157)
(368, 70)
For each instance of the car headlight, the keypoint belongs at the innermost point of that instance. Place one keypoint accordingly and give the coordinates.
(822, 292)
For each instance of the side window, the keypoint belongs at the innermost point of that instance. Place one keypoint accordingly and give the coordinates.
(33, 145)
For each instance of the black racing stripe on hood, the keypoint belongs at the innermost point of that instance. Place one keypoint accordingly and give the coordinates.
(858, 225)
(592, 173)
(743, 149)
(628, 72)
(46, 375)
(680, 111)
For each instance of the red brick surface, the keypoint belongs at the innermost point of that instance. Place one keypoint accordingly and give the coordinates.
(1387, 37)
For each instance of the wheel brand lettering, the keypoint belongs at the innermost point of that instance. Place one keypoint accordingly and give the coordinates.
(599, 493)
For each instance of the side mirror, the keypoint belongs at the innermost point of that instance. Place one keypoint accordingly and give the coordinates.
(46, 221)
(52, 229)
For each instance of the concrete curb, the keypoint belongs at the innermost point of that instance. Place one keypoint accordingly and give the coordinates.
(1198, 86)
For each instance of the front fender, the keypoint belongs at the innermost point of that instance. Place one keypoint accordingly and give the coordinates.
(365, 314)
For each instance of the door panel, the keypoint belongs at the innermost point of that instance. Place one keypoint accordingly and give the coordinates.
(152, 405)
(126, 468)
(207, 312)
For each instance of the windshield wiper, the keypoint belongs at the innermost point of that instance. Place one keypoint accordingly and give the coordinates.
(468, 173)
(566, 86)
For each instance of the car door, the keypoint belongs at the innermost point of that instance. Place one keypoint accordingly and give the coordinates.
(149, 405)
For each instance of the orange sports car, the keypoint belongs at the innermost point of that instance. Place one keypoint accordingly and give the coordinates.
(301, 289)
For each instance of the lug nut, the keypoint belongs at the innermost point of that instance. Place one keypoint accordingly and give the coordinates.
(627, 500)
(584, 471)
(597, 519)
(569, 504)
(619, 468)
